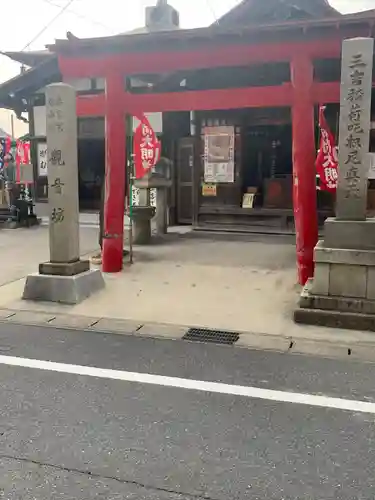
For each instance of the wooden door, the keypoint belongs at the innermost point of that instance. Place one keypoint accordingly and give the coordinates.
(186, 158)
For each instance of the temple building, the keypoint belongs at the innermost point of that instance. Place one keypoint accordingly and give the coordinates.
(234, 104)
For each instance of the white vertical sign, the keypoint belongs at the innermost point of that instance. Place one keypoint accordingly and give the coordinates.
(42, 159)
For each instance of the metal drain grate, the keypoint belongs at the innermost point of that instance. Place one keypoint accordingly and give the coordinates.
(214, 336)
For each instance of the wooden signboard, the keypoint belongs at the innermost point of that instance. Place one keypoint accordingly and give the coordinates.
(209, 189)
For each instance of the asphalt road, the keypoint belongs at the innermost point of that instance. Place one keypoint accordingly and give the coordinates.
(74, 436)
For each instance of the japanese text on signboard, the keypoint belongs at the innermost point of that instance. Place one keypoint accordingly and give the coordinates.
(55, 157)
(327, 161)
(354, 142)
(146, 148)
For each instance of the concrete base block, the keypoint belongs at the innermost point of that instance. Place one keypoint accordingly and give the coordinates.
(358, 235)
(142, 216)
(63, 289)
(141, 232)
(161, 211)
(311, 300)
(347, 281)
(342, 294)
(64, 268)
(335, 319)
(344, 272)
(321, 279)
(326, 255)
(334, 312)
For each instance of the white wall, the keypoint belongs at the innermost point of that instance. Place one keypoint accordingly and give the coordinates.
(39, 113)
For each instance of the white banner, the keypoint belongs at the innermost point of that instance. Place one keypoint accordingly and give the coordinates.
(42, 159)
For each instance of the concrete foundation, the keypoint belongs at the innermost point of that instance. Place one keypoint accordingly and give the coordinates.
(64, 269)
(142, 225)
(160, 182)
(142, 232)
(342, 293)
(63, 289)
(350, 234)
(161, 211)
(334, 311)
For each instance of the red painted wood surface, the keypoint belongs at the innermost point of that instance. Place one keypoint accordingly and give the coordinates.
(91, 105)
(327, 93)
(253, 97)
(114, 202)
(204, 57)
(260, 97)
(304, 180)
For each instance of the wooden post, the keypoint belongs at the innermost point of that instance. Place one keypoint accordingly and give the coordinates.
(304, 175)
(112, 257)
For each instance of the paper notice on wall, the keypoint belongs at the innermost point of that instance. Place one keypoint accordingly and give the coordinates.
(209, 173)
(209, 190)
(219, 155)
(219, 172)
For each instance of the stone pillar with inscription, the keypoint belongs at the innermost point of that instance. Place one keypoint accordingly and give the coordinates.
(342, 293)
(65, 278)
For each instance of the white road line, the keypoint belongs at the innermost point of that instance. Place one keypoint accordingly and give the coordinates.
(195, 385)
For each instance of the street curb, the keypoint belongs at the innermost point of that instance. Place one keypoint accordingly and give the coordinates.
(354, 350)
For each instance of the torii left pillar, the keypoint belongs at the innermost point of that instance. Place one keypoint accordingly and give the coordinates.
(115, 175)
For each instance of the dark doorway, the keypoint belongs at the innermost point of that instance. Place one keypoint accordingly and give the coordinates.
(91, 162)
(185, 180)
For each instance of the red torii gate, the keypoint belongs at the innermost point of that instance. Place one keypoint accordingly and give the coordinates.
(79, 59)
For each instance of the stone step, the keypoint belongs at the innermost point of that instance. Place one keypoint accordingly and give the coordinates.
(309, 300)
(5, 215)
(335, 319)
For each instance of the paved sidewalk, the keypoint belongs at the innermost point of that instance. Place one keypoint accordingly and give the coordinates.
(21, 250)
(227, 282)
(230, 282)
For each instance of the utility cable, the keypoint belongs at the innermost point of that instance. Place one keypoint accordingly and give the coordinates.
(81, 16)
(61, 11)
(211, 9)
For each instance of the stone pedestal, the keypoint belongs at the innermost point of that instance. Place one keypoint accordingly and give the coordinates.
(63, 289)
(342, 293)
(161, 216)
(142, 225)
(344, 271)
(65, 278)
(161, 184)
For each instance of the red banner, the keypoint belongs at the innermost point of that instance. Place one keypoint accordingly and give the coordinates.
(146, 148)
(327, 161)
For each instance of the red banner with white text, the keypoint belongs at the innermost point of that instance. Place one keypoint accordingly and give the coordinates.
(146, 148)
(327, 160)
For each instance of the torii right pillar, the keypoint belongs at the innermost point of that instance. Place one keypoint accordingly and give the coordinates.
(342, 293)
(304, 175)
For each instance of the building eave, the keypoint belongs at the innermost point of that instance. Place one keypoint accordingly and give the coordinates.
(363, 13)
(151, 41)
(17, 90)
(31, 58)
